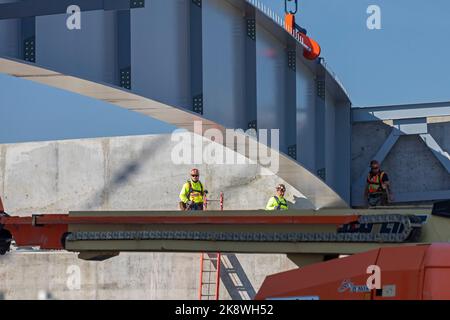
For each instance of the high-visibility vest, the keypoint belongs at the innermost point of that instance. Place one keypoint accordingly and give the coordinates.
(281, 203)
(193, 194)
(374, 182)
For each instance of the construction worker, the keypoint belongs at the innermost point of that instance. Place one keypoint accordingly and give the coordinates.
(278, 202)
(192, 193)
(378, 189)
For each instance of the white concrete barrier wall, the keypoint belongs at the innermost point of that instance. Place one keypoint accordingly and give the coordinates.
(125, 173)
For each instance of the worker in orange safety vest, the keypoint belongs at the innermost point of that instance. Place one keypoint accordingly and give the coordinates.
(378, 187)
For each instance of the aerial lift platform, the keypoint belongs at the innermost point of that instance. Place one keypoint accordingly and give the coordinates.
(98, 235)
(307, 237)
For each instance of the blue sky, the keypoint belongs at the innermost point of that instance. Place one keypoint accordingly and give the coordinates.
(40, 113)
(407, 61)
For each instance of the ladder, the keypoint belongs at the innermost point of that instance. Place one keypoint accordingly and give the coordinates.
(209, 276)
(210, 266)
(206, 201)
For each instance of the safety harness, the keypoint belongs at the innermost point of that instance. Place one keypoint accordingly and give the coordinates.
(193, 190)
(279, 203)
(375, 182)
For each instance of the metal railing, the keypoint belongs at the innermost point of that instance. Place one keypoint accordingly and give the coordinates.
(266, 10)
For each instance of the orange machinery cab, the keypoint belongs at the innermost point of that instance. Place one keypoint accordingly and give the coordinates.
(407, 273)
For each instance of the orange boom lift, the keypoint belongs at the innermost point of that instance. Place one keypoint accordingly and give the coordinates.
(409, 245)
(419, 272)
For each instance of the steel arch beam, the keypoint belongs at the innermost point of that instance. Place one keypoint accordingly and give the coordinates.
(35, 8)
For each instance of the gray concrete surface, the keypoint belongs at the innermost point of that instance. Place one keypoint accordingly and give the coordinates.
(145, 276)
(124, 173)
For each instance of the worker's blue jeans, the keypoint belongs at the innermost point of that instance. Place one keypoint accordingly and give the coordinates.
(377, 199)
(196, 207)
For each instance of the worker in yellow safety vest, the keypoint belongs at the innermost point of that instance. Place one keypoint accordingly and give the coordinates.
(378, 188)
(192, 193)
(278, 202)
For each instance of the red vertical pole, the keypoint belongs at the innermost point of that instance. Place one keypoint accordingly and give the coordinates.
(221, 201)
(218, 276)
(200, 291)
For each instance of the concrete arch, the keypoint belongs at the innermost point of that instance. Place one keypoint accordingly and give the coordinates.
(314, 189)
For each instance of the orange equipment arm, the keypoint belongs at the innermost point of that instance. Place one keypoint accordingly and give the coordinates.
(49, 231)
